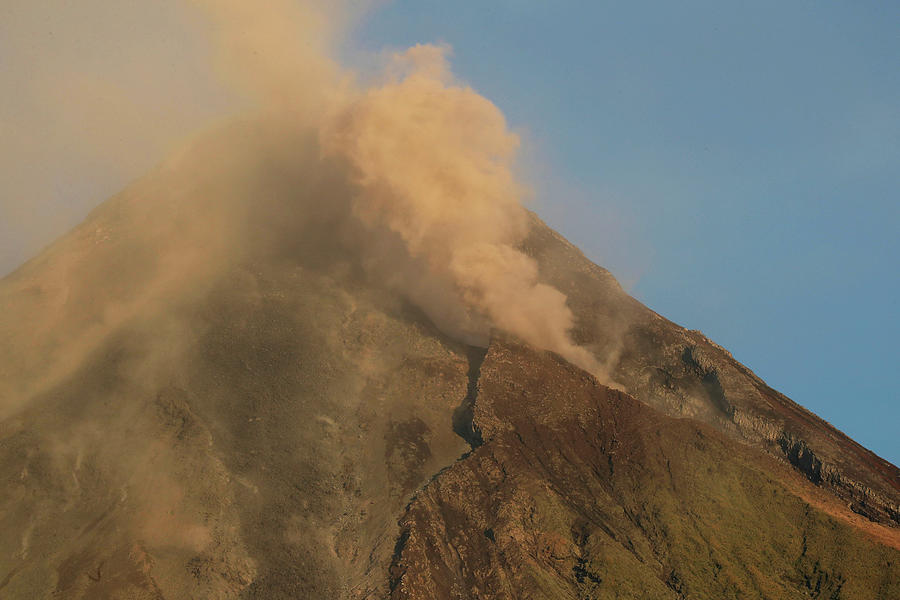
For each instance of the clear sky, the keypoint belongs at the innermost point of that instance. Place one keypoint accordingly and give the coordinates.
(735, 164)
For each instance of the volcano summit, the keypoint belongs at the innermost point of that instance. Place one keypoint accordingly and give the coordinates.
(214, 388)
(325, 352)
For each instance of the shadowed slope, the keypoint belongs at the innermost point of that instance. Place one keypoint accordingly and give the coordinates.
(250, 424)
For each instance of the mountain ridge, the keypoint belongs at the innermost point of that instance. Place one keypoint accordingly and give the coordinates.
(768, 418)
(205, 393)
(534, 455)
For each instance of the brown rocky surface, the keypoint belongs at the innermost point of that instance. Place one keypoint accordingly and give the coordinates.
(684, 374)
(203, 394)
(581, 491)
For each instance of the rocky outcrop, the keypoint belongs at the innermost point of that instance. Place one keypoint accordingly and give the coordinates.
(204, 394)
(684, 374)
(581, 491)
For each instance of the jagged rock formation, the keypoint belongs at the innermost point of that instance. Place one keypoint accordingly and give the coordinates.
(684, 374)
(204, 395)
(580, 491)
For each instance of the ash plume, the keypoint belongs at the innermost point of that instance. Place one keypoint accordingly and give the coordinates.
(430, 160)
(425, 168)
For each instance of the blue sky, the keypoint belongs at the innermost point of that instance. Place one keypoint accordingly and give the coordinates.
(735, 164)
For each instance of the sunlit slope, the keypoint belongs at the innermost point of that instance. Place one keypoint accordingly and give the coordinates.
(684, 374)
(580, 491)
(206, 392)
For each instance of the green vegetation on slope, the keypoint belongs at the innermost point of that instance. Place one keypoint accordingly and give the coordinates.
(590, 494)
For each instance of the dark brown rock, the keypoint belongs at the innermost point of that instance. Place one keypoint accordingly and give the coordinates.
(204, 395)
(581, 491)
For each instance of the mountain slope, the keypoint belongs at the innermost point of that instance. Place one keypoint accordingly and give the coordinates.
(684, 374)
(580, 491)
(204, 392)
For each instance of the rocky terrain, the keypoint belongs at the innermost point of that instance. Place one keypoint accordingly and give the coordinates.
(203, 394)
(581, 491)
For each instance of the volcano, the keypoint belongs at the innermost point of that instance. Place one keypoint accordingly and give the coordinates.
(207, 390)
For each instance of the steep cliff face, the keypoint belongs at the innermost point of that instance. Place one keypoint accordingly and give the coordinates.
(205, 394)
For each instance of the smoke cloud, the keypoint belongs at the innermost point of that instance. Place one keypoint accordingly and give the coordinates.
(136, 318)
(278, 52)
(433, 163)
(428, 162)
